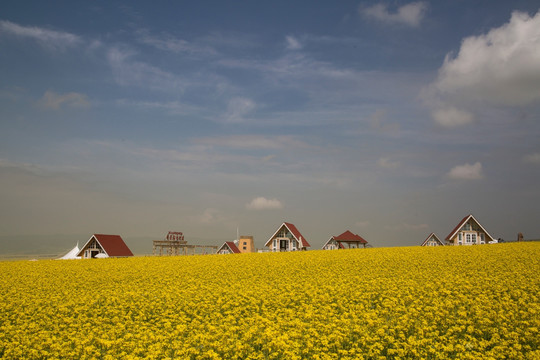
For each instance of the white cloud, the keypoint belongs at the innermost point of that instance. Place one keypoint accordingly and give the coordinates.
(52, 100)
(128, 72)
(467, 172)
(190, 158)
(238, 108)
(451, 117)
(409, 14)
(532, 158)
(48, 38)
(170, 107)
(293, 43)
(500, 67)
(27, 167)
(175, 45)
(253, 142)
(262, 203)
(208, 216)
(328, 93)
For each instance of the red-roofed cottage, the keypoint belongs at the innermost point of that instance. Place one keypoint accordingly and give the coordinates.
(469, 232)
(347, 240)
(229, 247)
(287, 238)
(432, 240)
(101, 245)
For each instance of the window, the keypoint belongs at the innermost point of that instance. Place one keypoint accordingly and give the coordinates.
(468, 238)
(245, 243)
(460, 237)
(473, 238)
(244, 248)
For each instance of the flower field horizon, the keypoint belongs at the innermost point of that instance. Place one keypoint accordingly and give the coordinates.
(381, 303)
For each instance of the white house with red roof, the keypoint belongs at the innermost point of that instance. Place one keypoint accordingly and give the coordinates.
(347, 240)
(432, 240)
(287, 238)
(469, 232)
(102, 246)
(229, 247)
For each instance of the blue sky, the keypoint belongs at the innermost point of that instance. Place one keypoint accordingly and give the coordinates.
(391, 119)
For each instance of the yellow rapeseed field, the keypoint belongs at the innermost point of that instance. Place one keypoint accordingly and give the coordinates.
(391, 303)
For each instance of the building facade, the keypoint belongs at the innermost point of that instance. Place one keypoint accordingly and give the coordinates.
(432, 240)
(287, 238)
(347, 240)
(229, 247)
(469, 232)
(246, 244)
(102, 246)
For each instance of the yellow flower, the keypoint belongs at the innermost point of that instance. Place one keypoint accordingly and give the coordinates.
(395, 303)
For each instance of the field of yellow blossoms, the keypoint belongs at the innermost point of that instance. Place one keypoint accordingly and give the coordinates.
(390, 303)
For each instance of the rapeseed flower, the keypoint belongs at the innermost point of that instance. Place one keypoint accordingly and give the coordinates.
(395, 303)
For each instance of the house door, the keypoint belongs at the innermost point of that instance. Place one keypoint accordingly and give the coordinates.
(283, 245)
(93, 253)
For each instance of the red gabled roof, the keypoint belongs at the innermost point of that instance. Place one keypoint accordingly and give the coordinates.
(297, 234)
(350, 237)
(462, 222)
(113, 245)
(458, 226)
(233, 247)
(294, 231)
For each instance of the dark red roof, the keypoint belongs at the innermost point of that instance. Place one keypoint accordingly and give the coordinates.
(297, 234)
(113, 245)
(461, 223)
(350, 237)
(233, 247)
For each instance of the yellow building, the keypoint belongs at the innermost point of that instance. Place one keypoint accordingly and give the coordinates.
(246, 244)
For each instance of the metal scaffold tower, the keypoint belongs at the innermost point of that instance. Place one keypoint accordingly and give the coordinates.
(175, 244)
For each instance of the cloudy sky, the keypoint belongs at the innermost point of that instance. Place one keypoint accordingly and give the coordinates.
(391, 119)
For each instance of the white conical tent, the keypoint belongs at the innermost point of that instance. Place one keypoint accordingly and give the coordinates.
(72, 254)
